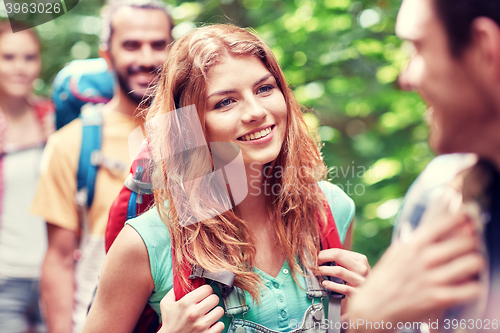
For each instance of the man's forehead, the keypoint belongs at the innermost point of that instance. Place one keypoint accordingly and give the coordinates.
(413, 17)
(134, 22)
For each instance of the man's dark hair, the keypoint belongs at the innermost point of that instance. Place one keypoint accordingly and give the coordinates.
(112, 7)
(457, 17)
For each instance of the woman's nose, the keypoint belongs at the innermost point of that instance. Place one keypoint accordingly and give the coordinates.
(19, 64)
(253, 111)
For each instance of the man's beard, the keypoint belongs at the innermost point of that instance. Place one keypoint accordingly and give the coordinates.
(124, 83)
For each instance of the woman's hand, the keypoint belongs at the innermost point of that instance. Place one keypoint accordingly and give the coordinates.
(197, 312)
(351, 267)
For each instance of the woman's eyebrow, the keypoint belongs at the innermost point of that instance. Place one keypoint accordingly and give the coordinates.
(264, 78)
(224, 92)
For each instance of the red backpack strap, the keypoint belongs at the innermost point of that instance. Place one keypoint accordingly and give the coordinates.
(329, 236)
(186, 270)
(117, 217)
(44, 110)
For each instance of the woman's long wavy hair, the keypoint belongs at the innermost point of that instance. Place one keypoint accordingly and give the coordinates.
(225, 242)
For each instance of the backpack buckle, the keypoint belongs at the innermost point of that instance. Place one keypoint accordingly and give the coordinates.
(81, 197)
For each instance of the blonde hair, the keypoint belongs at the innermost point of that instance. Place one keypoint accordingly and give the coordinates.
(225, 242)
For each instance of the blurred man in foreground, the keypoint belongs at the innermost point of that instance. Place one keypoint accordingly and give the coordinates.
(443, 268)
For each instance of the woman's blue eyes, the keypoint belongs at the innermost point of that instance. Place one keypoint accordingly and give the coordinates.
(265, 88)
(227, 101)
(224, 103)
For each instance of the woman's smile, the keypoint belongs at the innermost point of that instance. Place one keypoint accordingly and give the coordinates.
(259, 136)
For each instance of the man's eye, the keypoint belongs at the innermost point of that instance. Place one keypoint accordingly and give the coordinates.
(8, 57)
(131, 46)
(160, 45)
(224, 103)
(265, 89)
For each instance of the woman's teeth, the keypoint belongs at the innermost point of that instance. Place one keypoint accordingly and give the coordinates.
(256, 135)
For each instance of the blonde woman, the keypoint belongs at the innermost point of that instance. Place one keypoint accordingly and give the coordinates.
(25, 123)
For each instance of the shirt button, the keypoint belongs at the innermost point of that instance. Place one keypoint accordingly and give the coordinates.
(283, 314)
(285, 271)
(276, 285)
(280, 298)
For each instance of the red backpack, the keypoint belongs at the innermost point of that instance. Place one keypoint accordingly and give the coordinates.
(136, 197)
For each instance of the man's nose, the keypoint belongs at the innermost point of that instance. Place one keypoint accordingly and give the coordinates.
(409, 79)
(253, 110)
(147, 58)
(404, 80)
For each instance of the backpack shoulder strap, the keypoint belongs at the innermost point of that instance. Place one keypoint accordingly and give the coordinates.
(44, 110)
(179, 289)
(197, 275)
(92, 121)
(329, 238)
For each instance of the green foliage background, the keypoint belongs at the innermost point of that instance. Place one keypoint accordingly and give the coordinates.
(342, 59)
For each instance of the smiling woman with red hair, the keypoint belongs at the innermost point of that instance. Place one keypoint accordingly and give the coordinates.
(25, 123)
(269, 240)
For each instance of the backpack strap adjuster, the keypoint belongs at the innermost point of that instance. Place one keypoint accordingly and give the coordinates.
(137, 186)
(224, 277)
(81, 198)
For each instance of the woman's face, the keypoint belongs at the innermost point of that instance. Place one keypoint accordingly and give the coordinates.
(19, 63)
(245, 106)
